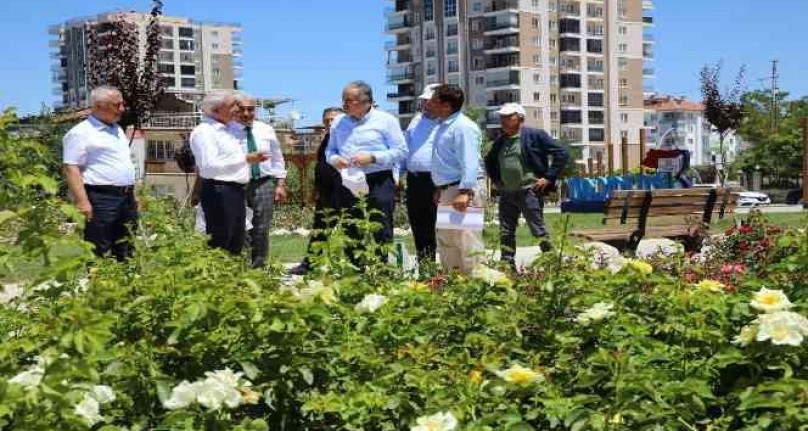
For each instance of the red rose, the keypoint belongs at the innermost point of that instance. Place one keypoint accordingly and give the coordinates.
(745, 229)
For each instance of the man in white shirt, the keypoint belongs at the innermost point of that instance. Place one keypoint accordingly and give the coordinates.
(267, 179)
(224, 170)
(101, 176)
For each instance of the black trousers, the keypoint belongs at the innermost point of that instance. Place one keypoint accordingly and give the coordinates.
(381, 198)
(422, 212)
(114, 220)
(225, 213)
(324, 208)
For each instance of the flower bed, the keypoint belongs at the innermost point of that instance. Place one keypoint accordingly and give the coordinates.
(183, 337)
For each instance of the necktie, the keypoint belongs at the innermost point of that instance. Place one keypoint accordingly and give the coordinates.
(255, 169)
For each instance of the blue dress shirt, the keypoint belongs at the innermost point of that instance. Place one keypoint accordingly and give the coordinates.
(420, 136)
(456, 156)
(377, 133)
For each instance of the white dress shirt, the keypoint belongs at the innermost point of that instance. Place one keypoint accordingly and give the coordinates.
(101, 152)
(266, 141)
(218, 153)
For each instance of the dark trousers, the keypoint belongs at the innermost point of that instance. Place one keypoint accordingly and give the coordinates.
(422, 212)
(261, 199)
(225, 213)
(114, 221)
(512, 204)
(381, 198)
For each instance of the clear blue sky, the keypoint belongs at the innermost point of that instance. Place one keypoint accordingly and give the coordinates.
(308, 49)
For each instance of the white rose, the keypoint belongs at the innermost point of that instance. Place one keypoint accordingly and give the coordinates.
(371, 303)
(444, 421)
(88, 409)
(769, 300)
(490, 276)
(182, 396)
(595, 313)
(747, 336)
(10, 292)
(782, 328)
(103, 394)
(30, 378)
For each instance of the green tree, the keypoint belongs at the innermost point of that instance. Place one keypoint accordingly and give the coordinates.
(722, 108)
(777, 152)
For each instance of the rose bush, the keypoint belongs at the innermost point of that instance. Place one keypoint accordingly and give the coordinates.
(183, 337)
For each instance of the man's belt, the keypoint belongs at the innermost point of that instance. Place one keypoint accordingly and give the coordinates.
(112, 190)
(223, 183)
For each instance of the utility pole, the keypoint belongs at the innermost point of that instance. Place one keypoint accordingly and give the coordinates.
(775, 90)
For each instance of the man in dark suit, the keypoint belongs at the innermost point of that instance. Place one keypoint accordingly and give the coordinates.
(326, 179)
(524, 164)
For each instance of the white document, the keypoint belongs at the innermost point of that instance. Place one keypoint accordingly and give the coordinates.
(354, 179)
(473, 219)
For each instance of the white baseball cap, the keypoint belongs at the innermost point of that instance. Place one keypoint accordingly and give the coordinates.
(512, 108)
(428, 91)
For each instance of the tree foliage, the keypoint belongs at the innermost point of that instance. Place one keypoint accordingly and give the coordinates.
(114, 58)
(777, 153)
(722, 108)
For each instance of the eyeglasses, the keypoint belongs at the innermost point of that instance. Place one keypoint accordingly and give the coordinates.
(248, 108)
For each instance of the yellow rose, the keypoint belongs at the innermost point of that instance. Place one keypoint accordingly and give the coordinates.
(640, 266)
(710, 285)
(475, 376)
(520, 375)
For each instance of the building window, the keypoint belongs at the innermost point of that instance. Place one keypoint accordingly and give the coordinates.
(553, 115)
(167, 56)
(477, 7)
(160, 151)
(622, 63)
(480, 80)
(187, 58)
(186, 45)
(569, 44)
(536, 96)
(188, 70)
(570, 80)
(623, 82)
(535, 22)
(624, 118)
(186, 32)
(430, 33)
(536, 78)
(536, 60)
(623, 101)
(594, 45)
(477, 43)
(475, 25)
(622, 47)
(535, 41)
(479, 63)
(166, 68)
(568, 25)
(623, 30)
(188, 82)
(214, 34)
(594, 11)
(169, 81)
(167, 43)
(595, 117)
(216, 72)
(595, 99)
(429, 10)
(450, 8)
(167, 30)
(214, 45)
(570, 117)
(597, 135)
(553, 98)
(594, 29)
(536, 114)
(453, 65)
(451, 47)
(451, 29)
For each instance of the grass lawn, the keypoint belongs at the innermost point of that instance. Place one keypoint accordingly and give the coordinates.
(288, 249)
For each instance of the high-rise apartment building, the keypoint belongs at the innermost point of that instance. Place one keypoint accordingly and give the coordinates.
(195, 57)
(579, 67)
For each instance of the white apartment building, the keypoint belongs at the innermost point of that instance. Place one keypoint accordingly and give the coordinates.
(580, 67)
(195, 57)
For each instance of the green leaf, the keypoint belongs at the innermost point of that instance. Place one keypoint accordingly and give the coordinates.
(308, 377)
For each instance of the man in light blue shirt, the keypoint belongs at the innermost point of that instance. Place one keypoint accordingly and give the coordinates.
(422, 210)
(456, 172)
(370, 140)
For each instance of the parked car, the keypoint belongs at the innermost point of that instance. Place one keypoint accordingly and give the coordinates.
(794, 197)
(753, 199)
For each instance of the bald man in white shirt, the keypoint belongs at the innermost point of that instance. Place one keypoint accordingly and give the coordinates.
(101, 176)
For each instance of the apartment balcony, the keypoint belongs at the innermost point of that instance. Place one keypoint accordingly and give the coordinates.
(647, 5)
(397, 23)
(501, 47)
(55, 30)
(398, 63)
(510, 83)
(397, 45)
(569, 10)
(497, 7)
(648, 72)
(400, 96)
(648, 38)
(648, 21)
(498, 63)
(495, 27)
(400, 78)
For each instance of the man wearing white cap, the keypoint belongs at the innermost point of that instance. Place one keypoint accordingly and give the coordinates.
(421, 207)
(524, 164)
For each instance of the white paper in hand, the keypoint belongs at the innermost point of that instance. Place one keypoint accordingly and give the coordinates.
(354, 179)
(448, 218)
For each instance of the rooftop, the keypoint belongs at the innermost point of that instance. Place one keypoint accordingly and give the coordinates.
(672, 103)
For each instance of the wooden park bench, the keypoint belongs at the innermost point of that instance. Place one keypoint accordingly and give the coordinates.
(678, 214)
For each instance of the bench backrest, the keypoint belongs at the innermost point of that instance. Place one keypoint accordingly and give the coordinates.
(669, 206)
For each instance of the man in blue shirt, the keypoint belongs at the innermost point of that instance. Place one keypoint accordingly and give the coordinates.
(422, 210)
(371, 140)
(456, 173)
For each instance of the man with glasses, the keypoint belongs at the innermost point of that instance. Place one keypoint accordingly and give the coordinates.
(101, 176)
(371, 140)
(267, 183)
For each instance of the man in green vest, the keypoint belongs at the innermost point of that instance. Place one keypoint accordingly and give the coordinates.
(524, 163)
